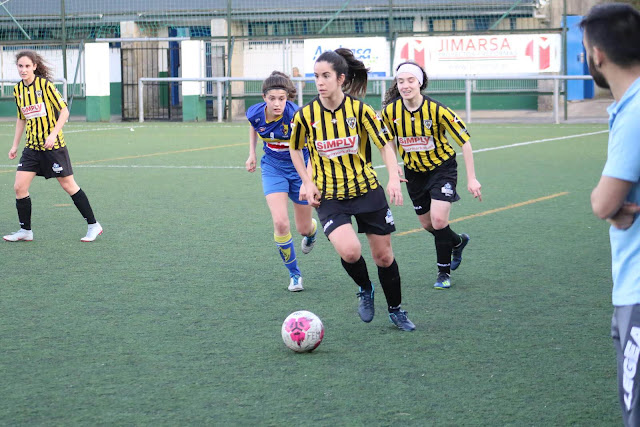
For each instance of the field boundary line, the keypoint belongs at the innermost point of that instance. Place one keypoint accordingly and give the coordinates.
(492, 211)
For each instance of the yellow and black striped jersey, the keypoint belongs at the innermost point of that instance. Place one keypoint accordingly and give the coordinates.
(39, 104)
(339, 145)
(420, 134)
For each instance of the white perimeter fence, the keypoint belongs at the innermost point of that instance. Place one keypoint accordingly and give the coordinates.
(469, 81)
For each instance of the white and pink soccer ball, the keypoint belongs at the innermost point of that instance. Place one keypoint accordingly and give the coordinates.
(302, 331)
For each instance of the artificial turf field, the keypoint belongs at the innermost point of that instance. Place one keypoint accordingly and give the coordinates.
(172, 317)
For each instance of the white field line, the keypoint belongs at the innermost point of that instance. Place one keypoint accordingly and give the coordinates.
(502, 147)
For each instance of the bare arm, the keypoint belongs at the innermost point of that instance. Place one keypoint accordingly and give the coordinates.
(472, 182)
(391, 162)
(62, 119)
(608, 202)
(311, 192)
(20, 124)
(251, 162)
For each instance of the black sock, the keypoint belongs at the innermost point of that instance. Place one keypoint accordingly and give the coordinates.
(24, 212)
(444, 246)
(390, 281)
(456, 240)
(358, 272)
(82, 203)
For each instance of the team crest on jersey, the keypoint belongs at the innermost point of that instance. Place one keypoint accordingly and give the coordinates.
(351, 121)
(39, 93)
(285, 129)
(428, 123)
(262, 129)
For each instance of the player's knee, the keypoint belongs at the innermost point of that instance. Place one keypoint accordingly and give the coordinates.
(383, 259)
(351, 254)
(281, 226)
(438, 222)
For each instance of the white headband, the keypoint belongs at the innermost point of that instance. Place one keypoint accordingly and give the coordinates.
(412, 69)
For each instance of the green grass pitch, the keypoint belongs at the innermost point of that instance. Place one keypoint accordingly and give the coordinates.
(172, 317)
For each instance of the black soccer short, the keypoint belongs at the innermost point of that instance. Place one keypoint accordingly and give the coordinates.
(371, 211)
(438, 184)
(48, 163)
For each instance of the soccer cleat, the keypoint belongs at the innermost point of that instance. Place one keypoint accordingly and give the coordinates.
(400, 319)
(456, 254)
(295, 285)
(443, 281)
(93, 231)
(22, 234)
(366, 309)
(309, 241)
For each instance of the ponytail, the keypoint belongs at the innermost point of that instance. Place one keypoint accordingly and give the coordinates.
(355, 73)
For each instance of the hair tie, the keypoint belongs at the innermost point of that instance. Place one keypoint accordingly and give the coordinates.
(412, 69)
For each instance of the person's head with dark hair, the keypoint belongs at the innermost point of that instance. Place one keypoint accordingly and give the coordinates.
(411, 77)
(279, 81)
(29, 62)
(340, 70)
(611, 39)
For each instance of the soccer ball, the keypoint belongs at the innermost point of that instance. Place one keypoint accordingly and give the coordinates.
(302, 331)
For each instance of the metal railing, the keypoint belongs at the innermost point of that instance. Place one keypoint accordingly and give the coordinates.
(468, 88)
(62, 82)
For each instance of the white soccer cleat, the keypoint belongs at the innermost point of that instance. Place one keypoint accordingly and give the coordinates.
(295, 285)
(308, 242)
(93, 231)
(22, 234)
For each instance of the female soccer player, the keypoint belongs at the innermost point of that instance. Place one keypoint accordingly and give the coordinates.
(419, 124)
(337, 128)
(43, 112)
(271, 120)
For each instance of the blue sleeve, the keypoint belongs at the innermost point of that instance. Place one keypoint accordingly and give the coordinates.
(289, 112)
(255, 112)
(623, 156)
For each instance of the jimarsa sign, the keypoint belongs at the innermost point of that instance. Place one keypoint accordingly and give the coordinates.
(477, 55)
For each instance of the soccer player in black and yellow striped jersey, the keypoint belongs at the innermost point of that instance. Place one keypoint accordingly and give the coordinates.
(43, 111)
(338, 129)
(419, 125)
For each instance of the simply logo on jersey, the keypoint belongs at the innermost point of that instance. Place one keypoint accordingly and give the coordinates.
(630, 365)
(447, 190)
(34, 111)
(416, 143)
(57, 168)
(331, 148)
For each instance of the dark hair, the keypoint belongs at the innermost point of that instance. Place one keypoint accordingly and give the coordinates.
(42, 69)
(343, 62)
(614, 28)
(279, 80)
(392, 93)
